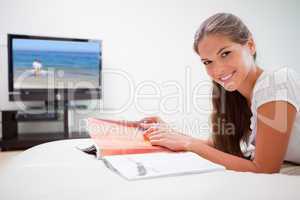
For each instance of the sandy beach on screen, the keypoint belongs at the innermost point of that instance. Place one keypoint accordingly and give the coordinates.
(24, 77)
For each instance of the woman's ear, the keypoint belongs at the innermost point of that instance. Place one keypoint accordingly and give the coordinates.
(251, 45)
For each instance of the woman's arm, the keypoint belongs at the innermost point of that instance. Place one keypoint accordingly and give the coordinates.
(229, 161)
(208, 142)
(274, 125)
(275, 122)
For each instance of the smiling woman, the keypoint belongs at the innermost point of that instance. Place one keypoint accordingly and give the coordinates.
(227, 49)
(262, 108)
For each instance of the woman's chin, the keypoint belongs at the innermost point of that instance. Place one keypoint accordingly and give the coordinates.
(230, 87)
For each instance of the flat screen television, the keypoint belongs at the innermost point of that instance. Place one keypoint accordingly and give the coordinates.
(51, 68)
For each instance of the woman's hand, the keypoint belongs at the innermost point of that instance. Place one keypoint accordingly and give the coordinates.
(151, 120)
(147, 122)
(163, 135)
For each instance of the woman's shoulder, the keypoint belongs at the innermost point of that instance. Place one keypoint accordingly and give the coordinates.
(272, 78)
(275, 85)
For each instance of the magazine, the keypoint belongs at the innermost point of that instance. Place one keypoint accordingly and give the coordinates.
(123, 148)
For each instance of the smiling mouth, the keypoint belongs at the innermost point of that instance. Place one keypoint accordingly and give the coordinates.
(227, 77)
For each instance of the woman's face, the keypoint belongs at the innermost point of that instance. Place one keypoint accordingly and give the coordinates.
(227, 63)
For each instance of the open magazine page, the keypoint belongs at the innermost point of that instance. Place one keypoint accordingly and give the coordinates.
(141, 166)
(114, 138)
(123, 149)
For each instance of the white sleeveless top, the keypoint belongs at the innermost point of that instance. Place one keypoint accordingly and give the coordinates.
(277, 85)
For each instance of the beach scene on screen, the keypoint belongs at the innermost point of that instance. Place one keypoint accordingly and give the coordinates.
(40, 64)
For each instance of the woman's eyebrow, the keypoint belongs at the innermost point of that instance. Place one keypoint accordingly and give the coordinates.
(217, 52)
(222, 49)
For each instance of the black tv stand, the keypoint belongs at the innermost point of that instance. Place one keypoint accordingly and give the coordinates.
(43, 116)
(54, 111)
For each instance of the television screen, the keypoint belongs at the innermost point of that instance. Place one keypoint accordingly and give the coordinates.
(54, 63)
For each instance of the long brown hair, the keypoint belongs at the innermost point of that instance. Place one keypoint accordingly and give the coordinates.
(231, 113)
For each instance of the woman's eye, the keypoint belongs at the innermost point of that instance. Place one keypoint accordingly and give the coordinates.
(206, 62)
(224, 54)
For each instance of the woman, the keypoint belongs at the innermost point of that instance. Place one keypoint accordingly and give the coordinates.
(262, 107)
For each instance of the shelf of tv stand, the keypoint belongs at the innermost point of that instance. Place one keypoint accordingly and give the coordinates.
(27, 117)
(27, 140)
(39, 120)
(12, 140)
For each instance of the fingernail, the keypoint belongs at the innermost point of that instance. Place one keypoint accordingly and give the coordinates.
(146, 138)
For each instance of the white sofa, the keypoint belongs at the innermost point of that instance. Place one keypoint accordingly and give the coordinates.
(57, 170)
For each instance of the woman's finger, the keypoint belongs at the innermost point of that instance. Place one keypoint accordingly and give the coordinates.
(150, 130)
(148, 125)
(157, 142)
(156, 136)
(156, 133)
(152, 119)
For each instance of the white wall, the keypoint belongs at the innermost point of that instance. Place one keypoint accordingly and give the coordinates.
(151, 40)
